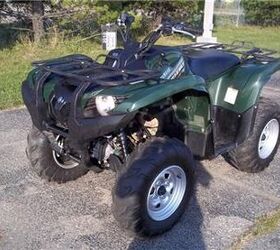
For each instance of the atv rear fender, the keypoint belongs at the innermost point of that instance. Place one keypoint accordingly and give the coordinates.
(247, 81)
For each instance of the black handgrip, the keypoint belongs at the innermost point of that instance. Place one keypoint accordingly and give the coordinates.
(195, 31)
(125, 19)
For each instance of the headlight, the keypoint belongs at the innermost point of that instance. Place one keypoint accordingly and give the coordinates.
(105, 104)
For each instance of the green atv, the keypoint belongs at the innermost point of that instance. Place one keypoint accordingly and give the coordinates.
(145, 112)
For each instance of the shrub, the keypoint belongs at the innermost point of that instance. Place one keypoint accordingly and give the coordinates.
(263, 13)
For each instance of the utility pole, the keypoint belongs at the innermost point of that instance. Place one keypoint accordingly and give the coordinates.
(208, 23)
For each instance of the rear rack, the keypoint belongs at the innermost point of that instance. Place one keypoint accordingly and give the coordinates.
(247, 50)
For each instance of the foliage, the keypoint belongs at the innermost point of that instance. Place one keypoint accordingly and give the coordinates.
(147, 12)
(264, 13)
(179, 9)
(84, 17)
(10, 33)
(107, 11)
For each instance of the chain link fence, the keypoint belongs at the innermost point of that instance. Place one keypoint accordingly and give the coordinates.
(228, 12)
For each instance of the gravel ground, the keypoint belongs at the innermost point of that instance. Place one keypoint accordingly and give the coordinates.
(35, 214)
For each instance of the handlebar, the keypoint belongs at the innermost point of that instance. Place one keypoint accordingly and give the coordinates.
(166, 28)
(169, 28)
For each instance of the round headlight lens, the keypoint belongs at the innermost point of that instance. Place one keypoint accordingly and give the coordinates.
(104, 104)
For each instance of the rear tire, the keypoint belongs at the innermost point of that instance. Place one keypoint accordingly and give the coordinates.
(256, 153)
(40, 155)
(143, 196)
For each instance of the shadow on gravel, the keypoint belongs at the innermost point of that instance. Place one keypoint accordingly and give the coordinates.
(187, 234)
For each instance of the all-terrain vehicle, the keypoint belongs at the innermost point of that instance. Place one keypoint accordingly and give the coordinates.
(145, 112)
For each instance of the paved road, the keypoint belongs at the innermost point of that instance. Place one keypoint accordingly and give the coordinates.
(35, 214)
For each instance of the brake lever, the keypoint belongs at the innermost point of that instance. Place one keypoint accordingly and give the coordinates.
(183, 32)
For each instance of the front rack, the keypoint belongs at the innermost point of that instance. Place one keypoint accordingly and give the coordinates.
(247, 50)
(106, 76)
(83, 73)
(80, 70)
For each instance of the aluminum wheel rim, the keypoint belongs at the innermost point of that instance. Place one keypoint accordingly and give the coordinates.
(268, 139)
(61, 161)
(166, 193)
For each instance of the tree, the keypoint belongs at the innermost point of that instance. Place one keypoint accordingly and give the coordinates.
(26, 11)
(264, 13)
(37, 20)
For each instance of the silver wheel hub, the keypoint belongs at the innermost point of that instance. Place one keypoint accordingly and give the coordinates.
(166, 193)
(60, 160)
(268, 139)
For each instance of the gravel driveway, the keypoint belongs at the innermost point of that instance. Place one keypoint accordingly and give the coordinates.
(35, 214)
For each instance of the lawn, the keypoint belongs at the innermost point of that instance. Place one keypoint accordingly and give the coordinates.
(15, 61)
(261, 37)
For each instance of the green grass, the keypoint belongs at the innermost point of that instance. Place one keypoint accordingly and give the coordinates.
(268, 37)
(263, 226)
(16, 61)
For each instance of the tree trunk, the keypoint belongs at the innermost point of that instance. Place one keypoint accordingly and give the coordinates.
(37, 19)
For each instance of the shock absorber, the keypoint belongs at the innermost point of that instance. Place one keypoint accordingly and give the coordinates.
(122, 138)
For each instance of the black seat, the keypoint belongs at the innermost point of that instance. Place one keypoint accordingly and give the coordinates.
(209, 63)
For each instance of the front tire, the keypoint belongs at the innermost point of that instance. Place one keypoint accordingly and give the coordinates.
(46, 163)
(256, 153)
(153, 190)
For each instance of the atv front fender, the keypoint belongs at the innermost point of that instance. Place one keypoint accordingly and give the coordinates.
(157, 92)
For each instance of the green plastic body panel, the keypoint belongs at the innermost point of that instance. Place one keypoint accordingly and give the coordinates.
(143, 95)
(248, 79)
(194, 112)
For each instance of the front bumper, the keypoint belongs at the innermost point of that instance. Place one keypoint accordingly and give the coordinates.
(80, 131)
